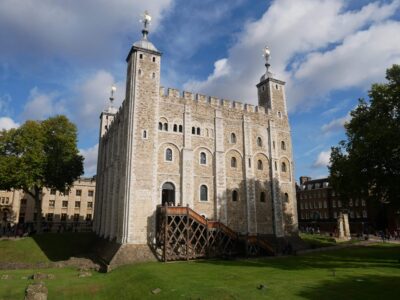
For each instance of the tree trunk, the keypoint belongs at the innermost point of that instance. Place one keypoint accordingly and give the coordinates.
(36, 194)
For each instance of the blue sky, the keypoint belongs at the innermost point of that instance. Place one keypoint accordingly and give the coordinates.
(63, 56)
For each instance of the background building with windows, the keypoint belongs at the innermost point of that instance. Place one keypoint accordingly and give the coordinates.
(72, 208)
(319, 206)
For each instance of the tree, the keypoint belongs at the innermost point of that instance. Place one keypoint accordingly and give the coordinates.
(40, 154)
(367, 163)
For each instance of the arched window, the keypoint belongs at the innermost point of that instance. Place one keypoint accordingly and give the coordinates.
(235, 196)
(233, 162)
(283, 146)
(198, 130)
(283, 167)
(175, 128)
(233, 138)
(159, 126)
(276, 166)
(259, 164)
(193, 130)
(168, 154)
(180, 128)
(166, 126)
(203, 158)
(145, 134)
(259, 142)
(262, 197)
(286, 197)
(203, 193)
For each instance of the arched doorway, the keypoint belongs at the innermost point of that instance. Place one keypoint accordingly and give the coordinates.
(168, 194)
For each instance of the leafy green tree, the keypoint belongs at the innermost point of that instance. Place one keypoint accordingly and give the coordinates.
(367, 163)
(40, 154)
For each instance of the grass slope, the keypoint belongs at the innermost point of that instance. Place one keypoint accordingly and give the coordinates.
(46, 247)
(371, 272)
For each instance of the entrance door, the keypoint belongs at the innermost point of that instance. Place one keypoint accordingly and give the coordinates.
(168, 194)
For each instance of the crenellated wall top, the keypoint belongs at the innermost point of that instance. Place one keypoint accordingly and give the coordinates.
(172, 95)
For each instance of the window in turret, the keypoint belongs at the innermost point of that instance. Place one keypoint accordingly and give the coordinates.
(233, 138)
(283, 167)
(154, 59)
(180, 128)
(159, 126)
(262, 197)
(168, 154)
(259, 164)
(203, 193)
(144, 134)
(203, 158)
(233, 162)
(279, 115)
(175, 128)
(283, 145)
(198, 130)
(259, 142)
(153, 75)
(166, 126)
(235, 196)
(141, 56)
(193, 130)
(140, 72)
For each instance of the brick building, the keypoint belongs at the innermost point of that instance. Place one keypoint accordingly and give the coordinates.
(318, 206)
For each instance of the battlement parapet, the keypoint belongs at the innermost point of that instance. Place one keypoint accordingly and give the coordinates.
(174, 95)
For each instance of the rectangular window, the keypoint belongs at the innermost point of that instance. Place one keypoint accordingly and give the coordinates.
(90, 205)
(49, 217)
(363, 202)
(52, 191)
(76, 217)
(90, 193)
(88, 217)
(77, 204)
(52, 203)
(65, 204)
(79, 192)
(63, 217)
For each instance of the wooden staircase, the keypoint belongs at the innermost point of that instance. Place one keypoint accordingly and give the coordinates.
(183, 234)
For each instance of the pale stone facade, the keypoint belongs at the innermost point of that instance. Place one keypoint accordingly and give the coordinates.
(76, 205)
(228, 161)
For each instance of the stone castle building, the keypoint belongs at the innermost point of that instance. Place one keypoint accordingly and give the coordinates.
(228, 161)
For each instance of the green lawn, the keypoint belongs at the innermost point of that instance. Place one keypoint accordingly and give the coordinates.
(45, 248)
(321, 240)
(371, 272)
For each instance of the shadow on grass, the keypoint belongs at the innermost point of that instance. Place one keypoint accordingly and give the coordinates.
(355, 257)
(62, 246)
(355, 287)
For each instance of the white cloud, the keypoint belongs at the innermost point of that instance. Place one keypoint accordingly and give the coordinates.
(90, 155)
(42, 105)
(91, 97)
(7, 123)
(322, 159)
(316, 46)
(336, 124)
